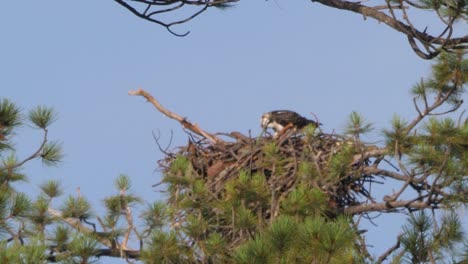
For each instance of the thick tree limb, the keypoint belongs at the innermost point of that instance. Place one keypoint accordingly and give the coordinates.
(182, 120)
(356, 7)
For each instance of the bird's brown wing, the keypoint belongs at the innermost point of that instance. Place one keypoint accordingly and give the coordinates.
(285, 117)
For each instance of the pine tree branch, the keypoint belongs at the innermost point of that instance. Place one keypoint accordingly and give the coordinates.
(76, 224)
(36, 154)
(428, 109)
(182, 120)
(174, 5)
(393, 22)
(114, 249)
(387, 206)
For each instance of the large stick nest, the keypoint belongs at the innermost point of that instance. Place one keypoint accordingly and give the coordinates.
(328, 162)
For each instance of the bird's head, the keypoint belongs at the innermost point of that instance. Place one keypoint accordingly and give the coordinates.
(265, 120)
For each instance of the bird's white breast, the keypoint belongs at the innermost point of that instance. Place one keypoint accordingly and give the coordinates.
(275, 126)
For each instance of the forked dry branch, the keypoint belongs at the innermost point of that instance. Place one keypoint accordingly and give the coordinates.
(182, 120)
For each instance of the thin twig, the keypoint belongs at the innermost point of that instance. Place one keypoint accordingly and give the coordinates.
(36, 154)
(387, 253)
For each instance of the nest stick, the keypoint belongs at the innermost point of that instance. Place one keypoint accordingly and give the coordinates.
(182, 120)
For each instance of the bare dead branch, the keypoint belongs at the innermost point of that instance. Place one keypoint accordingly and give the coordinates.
(130, 227)
(374, 170)
(373, 152)
(182, 120)
(170, 6)
(387, 253)
(387, 206)
(163, 150)
(395, 23)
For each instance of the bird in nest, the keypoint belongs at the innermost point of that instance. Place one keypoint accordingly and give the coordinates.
(284, 119)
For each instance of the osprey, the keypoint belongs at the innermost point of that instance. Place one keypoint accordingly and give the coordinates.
(278, 120)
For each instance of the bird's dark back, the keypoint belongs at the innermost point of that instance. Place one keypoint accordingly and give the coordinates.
(286, 117)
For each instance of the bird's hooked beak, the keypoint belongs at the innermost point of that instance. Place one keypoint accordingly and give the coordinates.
(265, 120)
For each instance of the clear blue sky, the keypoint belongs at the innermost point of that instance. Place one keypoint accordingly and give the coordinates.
(82, 57)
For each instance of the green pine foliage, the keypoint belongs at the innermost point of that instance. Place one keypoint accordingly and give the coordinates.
(10, 118)
(32, 252)
(20, 205)
(357, 125)
(61, 237)
(9, 173)
(339, 164)
(39, 217)
(42, 117)
(155, 217)
(165, 247)
(288, 240)
(273, 160)
(51, 153)
(397, 139)
(304, 202)
(76, 207)
(117, 205)
(52, 189)
(425, 242)
(81, 249)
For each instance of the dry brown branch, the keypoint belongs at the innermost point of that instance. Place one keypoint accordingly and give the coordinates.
(374, 170)
(164, 7)
(371, 152)
(182, 120)
(385, 255)
(407, 29)
(387, 206)
(432, 44)
(130, 227)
